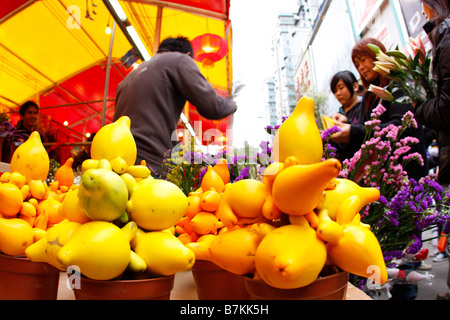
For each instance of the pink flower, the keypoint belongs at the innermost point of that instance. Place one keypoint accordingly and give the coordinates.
(408, 120)
(377, 111)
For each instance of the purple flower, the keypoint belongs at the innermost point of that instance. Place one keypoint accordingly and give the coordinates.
(328, 132)
(415, 246)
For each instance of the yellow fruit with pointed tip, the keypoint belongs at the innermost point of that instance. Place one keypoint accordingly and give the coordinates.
(11, 199)
(50, 206)
(221, 168)
(210, 200)
(245, 202)
(299, 135)
(119, 165)
(290, 256)
(25, 192)
(204, 223)
(136, 264)
(130, 182)
(345, 189)
(194, 205)
(104, 164)
(298, 189)
(163, 253)
(358, 251)
(65, 175)
(271, 172)
(99, 248)
(31, 159)
(212, 180)
(47, 247)
(89, 164)
(38, 189)
(103, 195)
(115, 140)
(138, 171)
(18, 179)
(15, 236)
(28, 210)
(5, 177)
(235, 250)
(157, 204)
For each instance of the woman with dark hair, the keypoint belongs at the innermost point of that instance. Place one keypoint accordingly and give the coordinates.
(363, 58)
(435, 113)
(346, 89)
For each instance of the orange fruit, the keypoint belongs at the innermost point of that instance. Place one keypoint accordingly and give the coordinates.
(221, 167)
(18, 179)
(210, 200)
(11, 199)
(50, 206)
(212, 180)
(204, 223)
(194, 206)
(70, 208)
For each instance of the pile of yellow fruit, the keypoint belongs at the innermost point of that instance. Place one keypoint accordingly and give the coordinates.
(285, 229)
(118, 219)
(288, 227)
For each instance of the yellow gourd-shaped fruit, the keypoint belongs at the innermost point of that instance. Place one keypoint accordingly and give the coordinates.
(205, 222)
(50, 206)
(235, 250)
(115, 140)
(298, 189)
(46, 248)
(245, 202)
(157, 204)
(194, 205)
(31, 159)
(221, 168)
(18, 179)
(99, 248)
(339, 195)
(299, 135)
(164, 254)
(15, 236)
(103, 195)
(210, 200)
(11, 199)
(290, 256)
(271, 172)
(212, 180)
(358, 251)
(64, 175)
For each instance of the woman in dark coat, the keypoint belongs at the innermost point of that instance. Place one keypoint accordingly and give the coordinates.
(435, 113)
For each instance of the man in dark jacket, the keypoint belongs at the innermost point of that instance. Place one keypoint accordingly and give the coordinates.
(435, 113)
(154, 95)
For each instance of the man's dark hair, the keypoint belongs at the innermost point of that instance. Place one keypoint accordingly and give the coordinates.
(179, 44)
(26, 105)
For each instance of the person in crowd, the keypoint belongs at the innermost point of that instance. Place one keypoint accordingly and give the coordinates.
(29, 117)
(435, 113)
(346, 89)
(154, 95)
(363, 58)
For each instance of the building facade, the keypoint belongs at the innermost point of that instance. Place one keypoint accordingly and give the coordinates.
(320, 37)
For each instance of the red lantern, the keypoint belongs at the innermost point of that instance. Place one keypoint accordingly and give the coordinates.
(209, 48)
